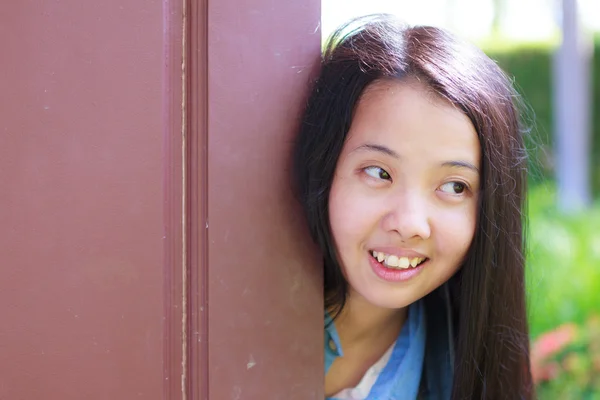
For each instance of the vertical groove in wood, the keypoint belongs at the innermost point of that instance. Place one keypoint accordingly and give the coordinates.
(184, 200)
(197, 103)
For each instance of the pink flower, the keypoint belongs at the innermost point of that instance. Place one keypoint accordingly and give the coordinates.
(547, 345)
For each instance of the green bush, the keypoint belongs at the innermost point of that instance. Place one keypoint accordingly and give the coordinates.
(563, 289)
(563, 262)
(531, 67)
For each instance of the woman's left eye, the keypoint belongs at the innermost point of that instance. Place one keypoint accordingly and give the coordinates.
(377, 173)
(453, 187)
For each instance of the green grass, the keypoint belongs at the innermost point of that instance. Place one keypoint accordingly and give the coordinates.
(563, 262)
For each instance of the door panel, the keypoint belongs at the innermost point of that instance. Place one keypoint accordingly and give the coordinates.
(81, 207)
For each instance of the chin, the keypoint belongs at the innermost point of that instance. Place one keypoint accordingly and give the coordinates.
(392, 304)
(388, 299)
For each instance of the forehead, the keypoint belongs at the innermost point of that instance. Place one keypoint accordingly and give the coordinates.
(407, 116)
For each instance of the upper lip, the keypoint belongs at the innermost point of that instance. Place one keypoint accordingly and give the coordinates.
(399, 252)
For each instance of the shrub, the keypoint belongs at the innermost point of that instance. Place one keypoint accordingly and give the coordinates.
(531, 67)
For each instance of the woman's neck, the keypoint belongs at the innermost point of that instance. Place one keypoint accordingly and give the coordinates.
(362, 323)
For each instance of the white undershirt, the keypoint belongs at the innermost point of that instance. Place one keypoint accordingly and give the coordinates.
(361, 391)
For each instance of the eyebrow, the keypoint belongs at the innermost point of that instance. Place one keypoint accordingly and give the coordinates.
(378, 148)
(389, 152)
(460, 164)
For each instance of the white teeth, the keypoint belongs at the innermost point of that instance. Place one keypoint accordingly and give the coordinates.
(392, 261)
(397, 262)
(404, 263)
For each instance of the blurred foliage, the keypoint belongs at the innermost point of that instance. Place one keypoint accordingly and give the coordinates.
(531, 67)
(563, 262)
(563, 289)
(566, 361)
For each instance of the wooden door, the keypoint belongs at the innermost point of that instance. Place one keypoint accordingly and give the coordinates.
(149, 244)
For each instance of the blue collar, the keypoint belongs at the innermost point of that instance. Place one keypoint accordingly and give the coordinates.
(401, 377)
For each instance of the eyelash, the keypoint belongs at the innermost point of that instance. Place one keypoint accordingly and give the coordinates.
(465, 187)
(381, 171)
(389, 178)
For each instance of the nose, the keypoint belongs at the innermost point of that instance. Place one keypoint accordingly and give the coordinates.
(408, 216)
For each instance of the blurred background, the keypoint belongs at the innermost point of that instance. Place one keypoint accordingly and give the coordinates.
(548, 47)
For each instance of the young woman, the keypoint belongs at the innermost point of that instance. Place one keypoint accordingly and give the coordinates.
(411, 169)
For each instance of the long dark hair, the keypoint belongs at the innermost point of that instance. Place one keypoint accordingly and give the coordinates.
(488, 292)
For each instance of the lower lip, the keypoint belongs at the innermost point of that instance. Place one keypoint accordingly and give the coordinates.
(393, 274)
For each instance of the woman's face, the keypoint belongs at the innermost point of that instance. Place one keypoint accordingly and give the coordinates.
(404, 197)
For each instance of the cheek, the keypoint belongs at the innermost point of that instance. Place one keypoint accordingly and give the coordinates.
(351, 215)
(456, 231)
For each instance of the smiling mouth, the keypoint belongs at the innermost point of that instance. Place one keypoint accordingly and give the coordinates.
(393, 261)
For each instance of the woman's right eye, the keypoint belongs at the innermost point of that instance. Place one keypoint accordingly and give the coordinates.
(377, 173)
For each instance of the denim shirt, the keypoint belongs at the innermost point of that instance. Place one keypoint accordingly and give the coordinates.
(421, 364)
(401, 374)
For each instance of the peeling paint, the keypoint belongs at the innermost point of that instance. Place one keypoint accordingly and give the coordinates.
(317, 28)
(251, 362)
